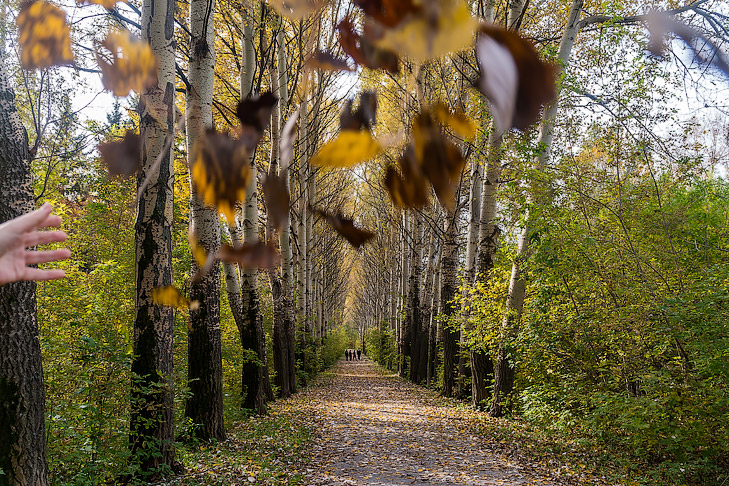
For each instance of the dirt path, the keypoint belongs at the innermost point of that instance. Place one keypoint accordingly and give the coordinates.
(375, 429)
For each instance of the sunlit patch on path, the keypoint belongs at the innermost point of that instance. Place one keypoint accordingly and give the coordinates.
(376, 429)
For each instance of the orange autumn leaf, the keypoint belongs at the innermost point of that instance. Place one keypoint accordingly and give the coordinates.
(129, 64)
(107, 4)
(171, 297)
(44, 36)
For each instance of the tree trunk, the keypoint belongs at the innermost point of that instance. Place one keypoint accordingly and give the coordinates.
(151, 421)
(22, 400)
(449, 267)
(412, 312)
(503, 371)
(204, 406)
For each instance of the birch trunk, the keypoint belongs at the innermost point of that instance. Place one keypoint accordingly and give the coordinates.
(151, 421)
(22, 399)
(504, 369)
(287, 275)
(450, 331)
(204, 406)
(412, 313)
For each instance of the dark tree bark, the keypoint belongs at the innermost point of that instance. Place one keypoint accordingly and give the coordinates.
(151, 420)
(448, 292)
(22, 399)
(280, 341)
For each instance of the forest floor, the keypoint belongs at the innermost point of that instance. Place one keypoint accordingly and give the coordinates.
(358, 424)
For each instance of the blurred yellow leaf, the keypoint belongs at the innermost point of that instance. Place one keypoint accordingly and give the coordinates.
(198, 252)
(296, 9)
(458, 121)
(129, 65)
(221, 172)
(350, 148)
(44, 36)
(107, 4)
(448, 28)
(171, 297)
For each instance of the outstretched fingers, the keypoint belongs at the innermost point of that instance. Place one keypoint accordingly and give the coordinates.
(33, 220)
(43, 237)
(42, 275)
(35, 257)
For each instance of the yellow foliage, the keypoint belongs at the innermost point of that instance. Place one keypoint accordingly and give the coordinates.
(350, 148)
(44, 36)
(421, 37)
(133, 65)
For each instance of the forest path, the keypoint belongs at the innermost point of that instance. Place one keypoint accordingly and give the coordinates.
(377, 429)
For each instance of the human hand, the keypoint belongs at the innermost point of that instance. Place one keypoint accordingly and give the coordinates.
(22, 232)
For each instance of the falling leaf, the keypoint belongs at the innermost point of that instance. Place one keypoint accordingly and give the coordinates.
(350, 148)
(44, 36)
(440, 160)
(254, 114)
(513, 78)
(288, 135)
(387, 12)
(171, 297)
(296, 9)
(363, 51)
(457, 121)
(128, 65)
(107, 4)
(704, 49)
(221, 172)
(122, 157)
(251, 255)
(276, 196)
(422, 37)
(409, 188)
(363, 118)
(346, 228)
(328, 62)
(198, 252)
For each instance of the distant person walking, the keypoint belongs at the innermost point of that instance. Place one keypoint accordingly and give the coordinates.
(359, 354)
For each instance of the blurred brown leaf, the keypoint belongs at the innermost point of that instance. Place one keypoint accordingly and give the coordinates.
(408, 188)
(254, 114)
(364, 117)
(327, 62)
(276, 196)
(440, 160)
(363, 51)
(346, 228)
(288, 135)
(128, 64)
(515, 102)
(122, 157)
(296, 9)
(43, 35)
(251, 255)
(387, 12)
(221, 171)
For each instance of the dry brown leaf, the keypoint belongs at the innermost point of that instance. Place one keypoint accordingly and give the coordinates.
(363, 51)
(122, 157)
(408, 188)
(364, 117)
(345, 227)
(387, 12)
(129, 64)
(251, 255)
(276, 196)
(107, 4)
(443, 27)
(43, 35)
(328, 62)
(221, 172)
(296, 9)
(254, 114)
(536, 80)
